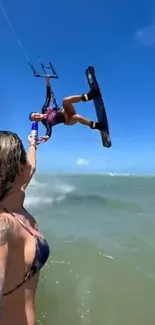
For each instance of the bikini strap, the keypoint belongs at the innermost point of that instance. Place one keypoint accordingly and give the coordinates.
(21, 222)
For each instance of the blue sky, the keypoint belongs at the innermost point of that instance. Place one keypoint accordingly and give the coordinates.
(118, 38)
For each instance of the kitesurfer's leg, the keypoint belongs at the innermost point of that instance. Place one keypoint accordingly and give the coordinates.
(82, 120)
(69, 109)
(72, 99)
(77, 119)
(68, 101)
(92, 124)
(92, 94)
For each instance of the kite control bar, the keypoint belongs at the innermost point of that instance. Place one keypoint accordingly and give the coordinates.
(50, 67)
(45, 75)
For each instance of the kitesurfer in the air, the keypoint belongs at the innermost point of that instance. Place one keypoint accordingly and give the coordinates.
(67, 114)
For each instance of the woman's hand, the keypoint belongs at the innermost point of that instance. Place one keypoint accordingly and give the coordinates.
(33, 141)
(31, 157)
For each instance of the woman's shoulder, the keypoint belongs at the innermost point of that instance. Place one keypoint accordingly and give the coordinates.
(7, 226)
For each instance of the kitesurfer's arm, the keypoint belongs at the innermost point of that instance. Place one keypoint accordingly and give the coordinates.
(48, 129)
(48, 134)
(48, 95)
(47, 124)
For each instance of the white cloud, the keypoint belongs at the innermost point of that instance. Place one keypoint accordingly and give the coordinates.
(146, 35)
(82, 162)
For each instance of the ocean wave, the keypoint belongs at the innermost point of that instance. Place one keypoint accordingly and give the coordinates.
(41, 193)
(91, 198)
(120, 174)
(35, 201)
(35, 184)
(96, 200)
(63, 192)
(135, 175)
(65, 188)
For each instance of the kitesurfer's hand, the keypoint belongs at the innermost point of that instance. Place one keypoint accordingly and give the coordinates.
(48, 77)
(44, 139)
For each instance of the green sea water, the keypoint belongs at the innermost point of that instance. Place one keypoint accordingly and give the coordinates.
(101, 231)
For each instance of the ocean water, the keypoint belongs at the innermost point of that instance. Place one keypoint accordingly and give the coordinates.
(101, 230)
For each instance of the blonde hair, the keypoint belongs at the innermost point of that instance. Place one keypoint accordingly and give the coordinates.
(12, 156)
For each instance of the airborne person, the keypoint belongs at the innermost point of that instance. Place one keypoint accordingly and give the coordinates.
(50, 116)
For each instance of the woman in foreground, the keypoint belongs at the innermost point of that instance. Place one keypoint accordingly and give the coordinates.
(23, 250)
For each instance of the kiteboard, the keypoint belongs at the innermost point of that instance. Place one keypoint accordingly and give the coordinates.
(99, 106)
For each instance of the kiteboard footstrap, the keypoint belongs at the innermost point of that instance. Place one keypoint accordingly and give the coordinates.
(96, 126)
(92, 94)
